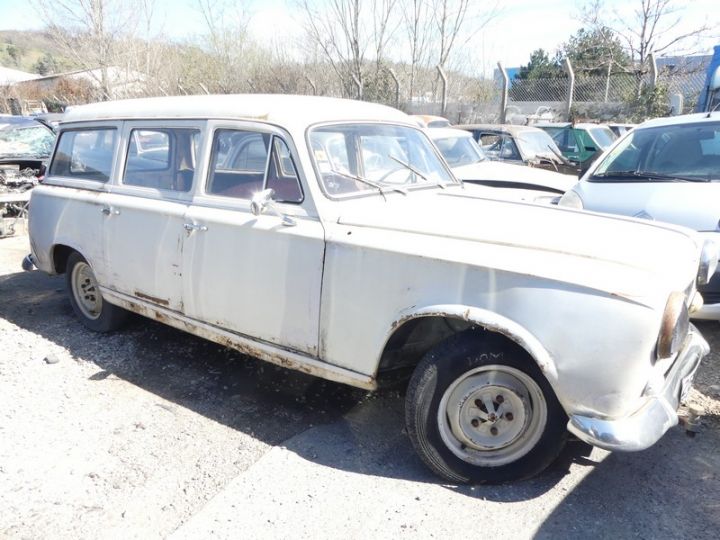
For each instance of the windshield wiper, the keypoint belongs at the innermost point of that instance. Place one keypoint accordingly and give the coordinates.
(414, 170)
(649, 176)
(380, 188)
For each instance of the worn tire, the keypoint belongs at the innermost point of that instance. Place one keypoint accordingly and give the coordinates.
(464, 358)
(108, 317)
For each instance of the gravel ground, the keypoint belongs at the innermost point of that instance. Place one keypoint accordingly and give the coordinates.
(149, 431)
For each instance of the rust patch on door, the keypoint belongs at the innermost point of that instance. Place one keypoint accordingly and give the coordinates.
(160, 301)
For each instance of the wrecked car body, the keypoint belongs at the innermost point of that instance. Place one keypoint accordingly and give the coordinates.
(330, 236)
(25, 147)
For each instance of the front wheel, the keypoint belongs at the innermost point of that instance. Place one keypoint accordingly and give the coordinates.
(480, 411)
(86, 300)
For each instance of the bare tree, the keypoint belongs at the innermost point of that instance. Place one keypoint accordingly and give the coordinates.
(350, 33)
(456, 22)
(417, 25)
(654, 26)
(90, 33)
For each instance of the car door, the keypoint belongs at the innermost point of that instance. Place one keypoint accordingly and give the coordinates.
(84, 159)
(259, 276)
(145, 214)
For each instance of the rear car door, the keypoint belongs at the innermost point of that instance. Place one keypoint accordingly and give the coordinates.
(83, 164)
(145, 215)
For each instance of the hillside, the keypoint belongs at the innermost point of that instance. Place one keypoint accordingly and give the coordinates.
(31, 51)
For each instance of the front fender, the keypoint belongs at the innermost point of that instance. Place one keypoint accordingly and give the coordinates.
(488, 320)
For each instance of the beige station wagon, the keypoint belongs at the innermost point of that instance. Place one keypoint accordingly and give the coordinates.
(330, 236)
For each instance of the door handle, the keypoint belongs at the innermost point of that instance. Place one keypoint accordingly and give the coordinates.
(108, 211)
(190, 227)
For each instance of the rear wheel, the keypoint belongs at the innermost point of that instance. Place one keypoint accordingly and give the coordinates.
(87, 301)
(478, 410)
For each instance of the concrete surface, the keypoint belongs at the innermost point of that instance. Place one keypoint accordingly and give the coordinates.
(151, 433)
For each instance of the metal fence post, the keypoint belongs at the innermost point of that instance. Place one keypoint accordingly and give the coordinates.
(504, 91)
(391, 71)
(570, 87)
(607, 81)
(653, 70)
(444, 79)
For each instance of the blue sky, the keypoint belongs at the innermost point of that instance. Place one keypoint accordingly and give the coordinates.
(521, 27)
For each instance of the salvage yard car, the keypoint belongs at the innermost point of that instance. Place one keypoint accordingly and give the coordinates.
(667, 169)
(329, 236)
(522, 145)
(507, 181)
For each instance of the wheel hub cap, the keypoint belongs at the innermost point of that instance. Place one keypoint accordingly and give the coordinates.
(492, 415)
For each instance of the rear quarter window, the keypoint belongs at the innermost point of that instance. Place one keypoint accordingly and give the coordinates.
(86, 154)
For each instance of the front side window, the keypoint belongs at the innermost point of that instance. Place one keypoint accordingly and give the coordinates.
(689, 152)
(163, 159)
(246, 162)
(85, 154)
(359, 158)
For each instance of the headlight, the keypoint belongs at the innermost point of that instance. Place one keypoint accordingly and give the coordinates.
(571, 200)
(708, 262)
(674, 327)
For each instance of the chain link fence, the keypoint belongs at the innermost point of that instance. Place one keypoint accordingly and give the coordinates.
(617, 97)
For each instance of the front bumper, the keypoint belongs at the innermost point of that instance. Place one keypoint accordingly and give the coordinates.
(656, 415)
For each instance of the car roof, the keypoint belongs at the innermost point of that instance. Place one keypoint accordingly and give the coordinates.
(578, 125)
(285, 110)
(682, 119)
(505, 128)
(445, 133)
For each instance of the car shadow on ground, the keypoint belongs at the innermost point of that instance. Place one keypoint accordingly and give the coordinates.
(324, 422)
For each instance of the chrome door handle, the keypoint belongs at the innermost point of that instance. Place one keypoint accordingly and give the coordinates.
(190, 227)
(107, 211)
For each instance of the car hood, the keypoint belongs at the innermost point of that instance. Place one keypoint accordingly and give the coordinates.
(690, 204)
(497, 172)
(623, 257)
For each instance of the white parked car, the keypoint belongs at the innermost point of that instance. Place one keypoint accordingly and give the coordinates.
(509, 181)
(667, 169)
(329, 236)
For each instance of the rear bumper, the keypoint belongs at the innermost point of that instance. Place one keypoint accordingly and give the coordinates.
(656, 415)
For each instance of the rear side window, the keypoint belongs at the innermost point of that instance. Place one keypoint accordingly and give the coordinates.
(85, 154)
(245, 162)
(162, 158)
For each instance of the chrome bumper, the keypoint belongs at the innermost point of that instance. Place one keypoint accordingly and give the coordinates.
(658, 413)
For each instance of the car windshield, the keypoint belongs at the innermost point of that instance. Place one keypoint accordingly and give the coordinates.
(459, 151)
(536, 143)
(602, 135)
(359, 158)
(689, 152)
(29, 141)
